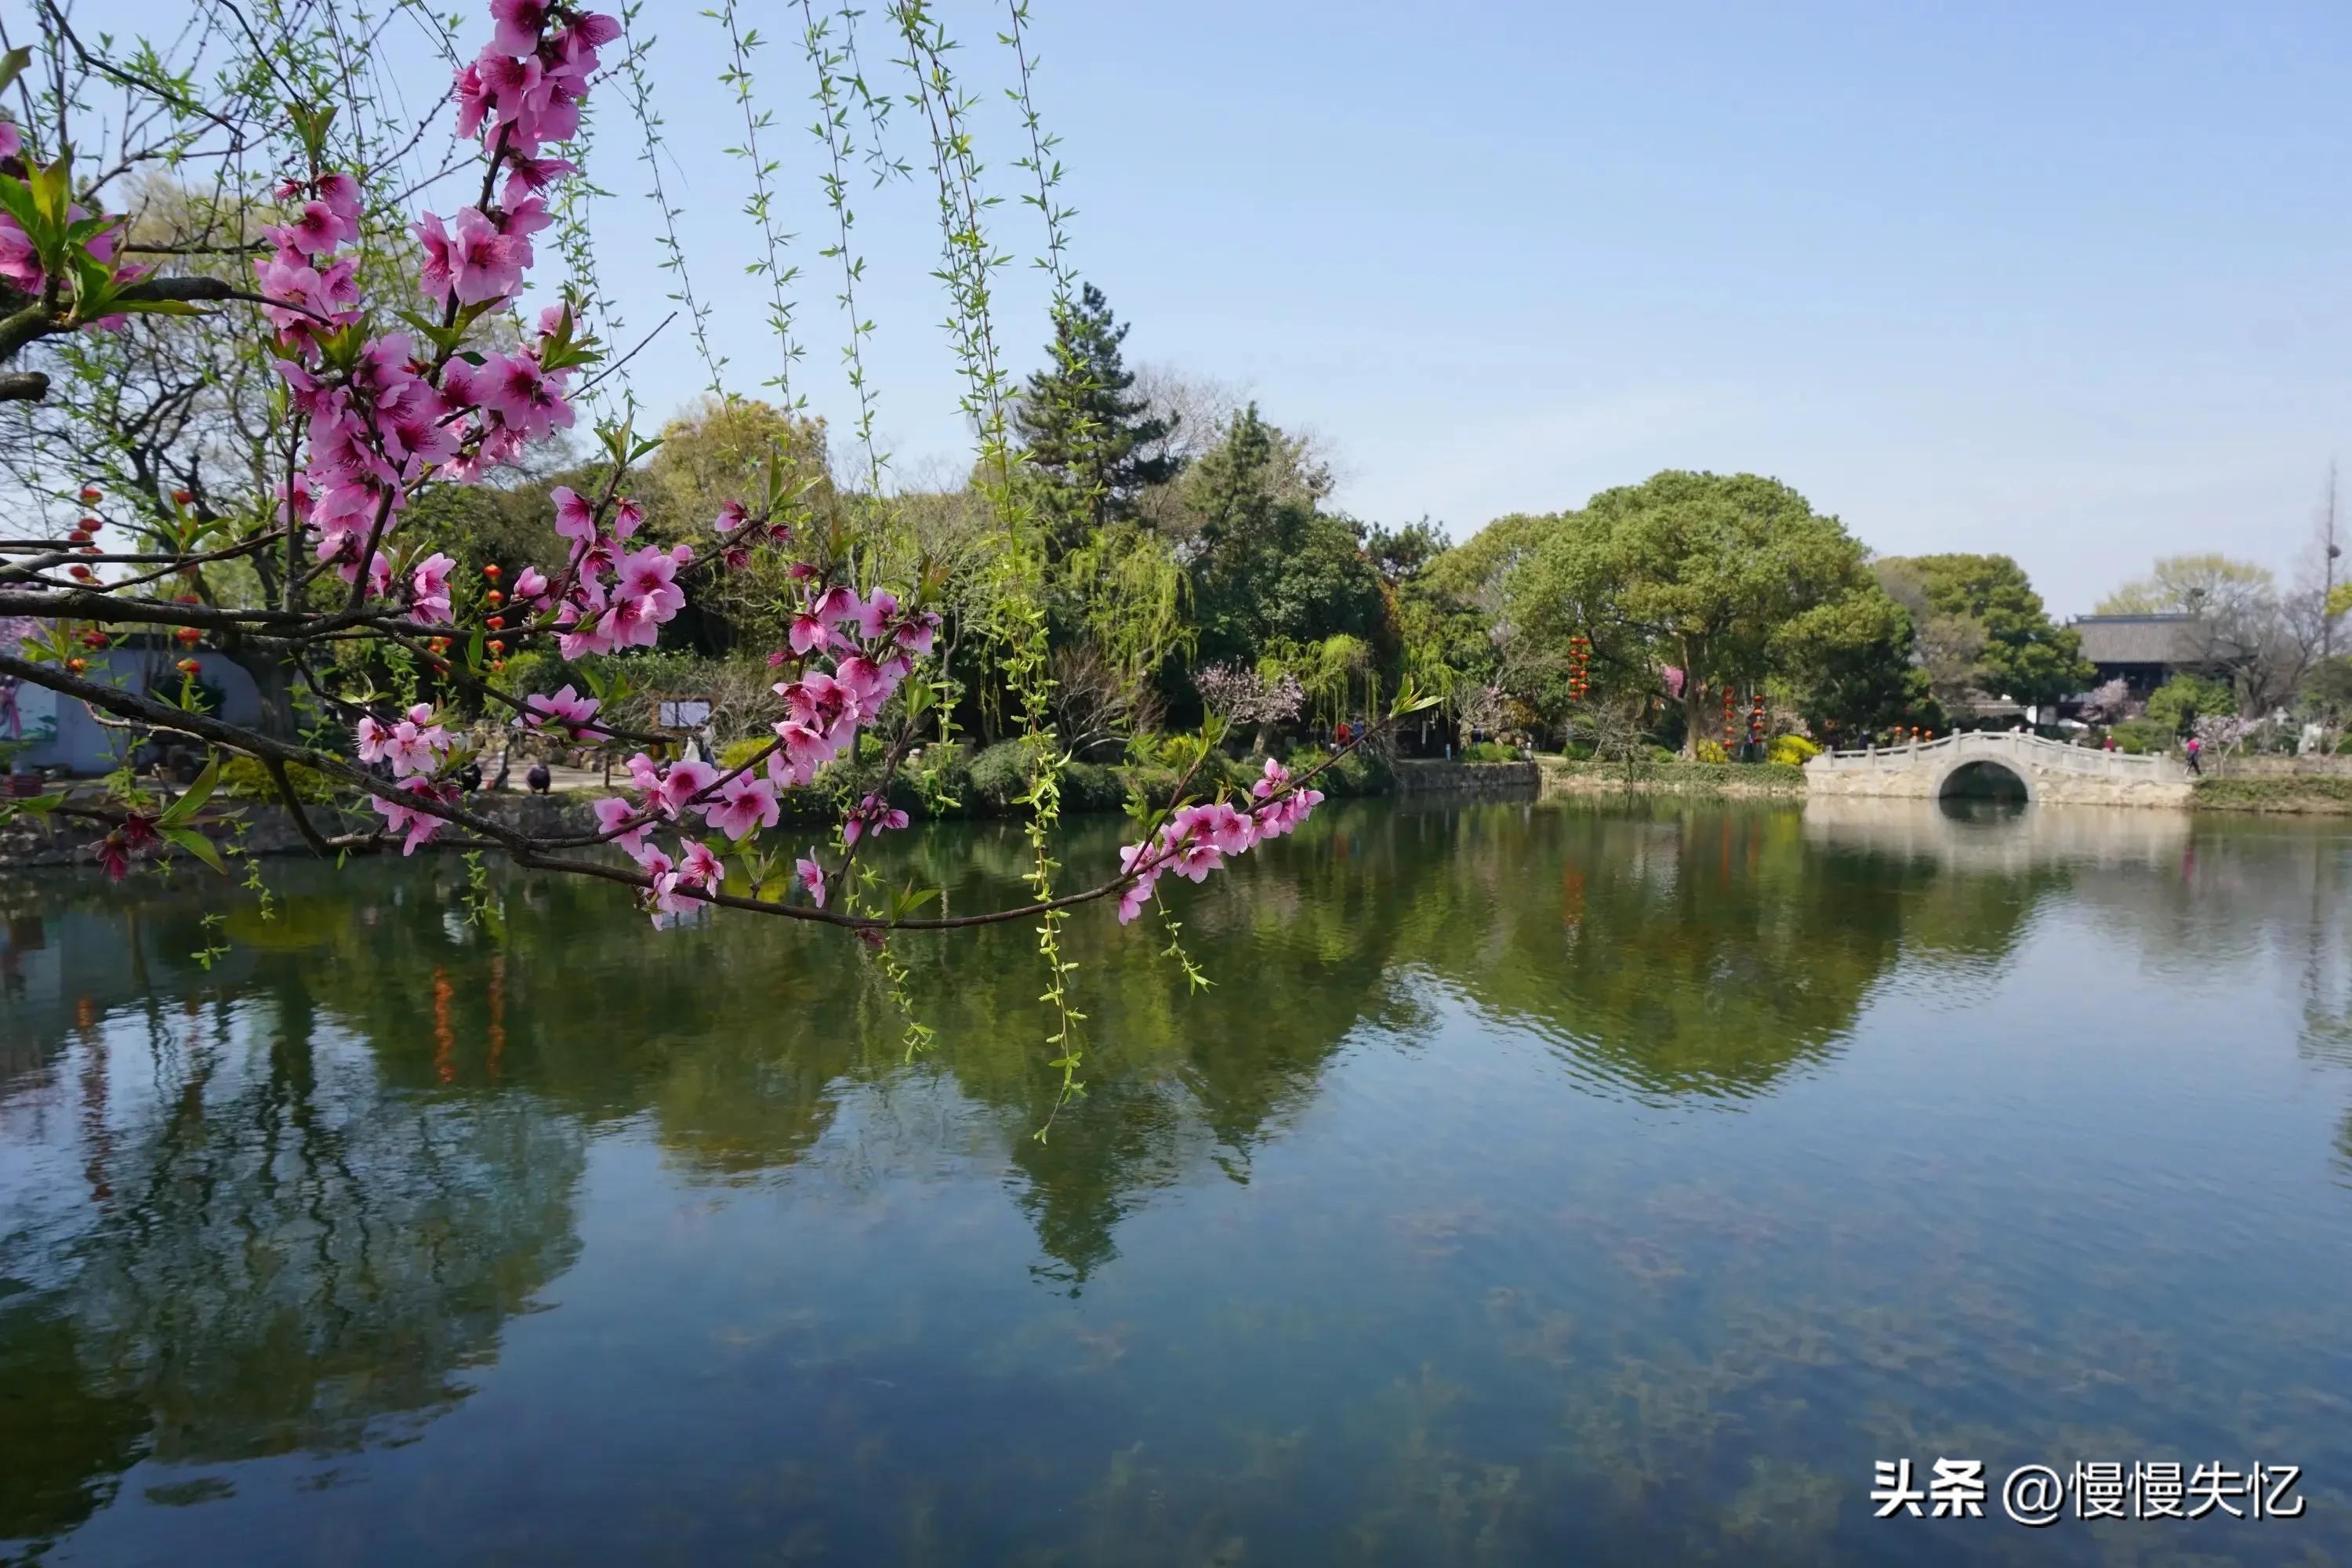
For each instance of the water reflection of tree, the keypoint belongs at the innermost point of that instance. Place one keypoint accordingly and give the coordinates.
(1177, 1082)
(64, 1440)
(1695, 954)
(1673, 951)
(274, 1254)
(1670, 951)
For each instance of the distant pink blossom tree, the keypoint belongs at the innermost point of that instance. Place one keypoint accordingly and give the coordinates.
(2225, 733)
(2107, 701)
(1240, 695)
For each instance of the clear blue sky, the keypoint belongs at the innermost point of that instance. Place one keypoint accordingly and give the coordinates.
(2066, 280)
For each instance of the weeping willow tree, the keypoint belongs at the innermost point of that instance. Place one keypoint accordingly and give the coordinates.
(1125, 606)
(1340, 676)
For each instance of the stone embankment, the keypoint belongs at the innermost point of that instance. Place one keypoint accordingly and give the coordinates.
(1732, 781)
(1483, 781)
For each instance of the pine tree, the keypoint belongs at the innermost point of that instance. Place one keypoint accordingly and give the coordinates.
(1100, 444)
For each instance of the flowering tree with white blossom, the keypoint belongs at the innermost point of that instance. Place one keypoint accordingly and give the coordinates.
(2108, 702)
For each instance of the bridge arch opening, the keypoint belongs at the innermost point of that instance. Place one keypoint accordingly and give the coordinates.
(1986, 783)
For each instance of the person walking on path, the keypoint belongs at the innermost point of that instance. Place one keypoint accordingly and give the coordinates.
(2192, 746)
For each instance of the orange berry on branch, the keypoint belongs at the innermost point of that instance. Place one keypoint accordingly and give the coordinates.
(492, 571)
(188, 666)
(76, 665)
(181, 498)
(495, 597)
(495, 622)
(497, 648)
(89, 495)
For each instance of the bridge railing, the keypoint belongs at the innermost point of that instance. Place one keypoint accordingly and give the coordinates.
(2029, 750)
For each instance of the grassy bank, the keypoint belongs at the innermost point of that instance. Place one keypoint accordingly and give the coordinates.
(2308, 794)
(1671, 777)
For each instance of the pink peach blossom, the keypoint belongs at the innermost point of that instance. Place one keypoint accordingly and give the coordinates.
(744, 802)
(809, 874)
(612, 814)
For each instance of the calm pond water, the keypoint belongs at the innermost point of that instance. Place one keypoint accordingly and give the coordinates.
(1539, 1184)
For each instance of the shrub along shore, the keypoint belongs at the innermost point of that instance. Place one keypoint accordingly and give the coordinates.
(2309, 794)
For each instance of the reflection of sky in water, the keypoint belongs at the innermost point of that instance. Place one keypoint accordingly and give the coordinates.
(1535, 1185)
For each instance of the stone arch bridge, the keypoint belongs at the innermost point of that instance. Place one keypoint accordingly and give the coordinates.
(2001, 762)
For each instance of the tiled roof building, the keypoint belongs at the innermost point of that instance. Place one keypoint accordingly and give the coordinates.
(2144, 650)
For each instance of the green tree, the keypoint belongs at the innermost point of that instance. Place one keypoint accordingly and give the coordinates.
(2328, 689)
(718, 449)
(1101, 446)
(1473, 573)
(2177, 704)
(1268, 564)
(1947, 645)
(2022, 655)
(1401, 553)
(2210, 584)
(1450, 612)
(1850, 667)
(1121, 609)
(1727, 579)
